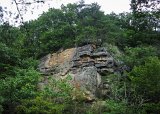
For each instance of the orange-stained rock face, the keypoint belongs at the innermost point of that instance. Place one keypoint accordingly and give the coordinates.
(62, 57)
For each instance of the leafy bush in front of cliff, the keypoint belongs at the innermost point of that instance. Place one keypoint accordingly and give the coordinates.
(39, 105)
(54, 98)
(58, 90)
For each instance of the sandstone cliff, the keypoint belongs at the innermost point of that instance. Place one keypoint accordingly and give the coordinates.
(86, 65)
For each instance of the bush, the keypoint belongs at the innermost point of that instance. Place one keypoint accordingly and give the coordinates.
(39, 105)
(114, 107)
(53, 98)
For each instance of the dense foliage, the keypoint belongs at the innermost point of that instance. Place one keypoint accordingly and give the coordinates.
(132, 38)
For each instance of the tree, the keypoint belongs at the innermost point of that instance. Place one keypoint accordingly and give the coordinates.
(138, 55)
(22, 85)
(9, 60)
(146, 19)
(143, 5)
(146, 81)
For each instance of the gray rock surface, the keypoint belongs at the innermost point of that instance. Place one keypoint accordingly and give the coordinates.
(88, 78)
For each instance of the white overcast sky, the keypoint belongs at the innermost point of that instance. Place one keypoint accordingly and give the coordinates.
(108, 6)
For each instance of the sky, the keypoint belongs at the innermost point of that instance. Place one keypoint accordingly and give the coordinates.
(108, 6)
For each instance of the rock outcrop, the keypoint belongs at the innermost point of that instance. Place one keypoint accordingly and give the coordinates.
(86, 65)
